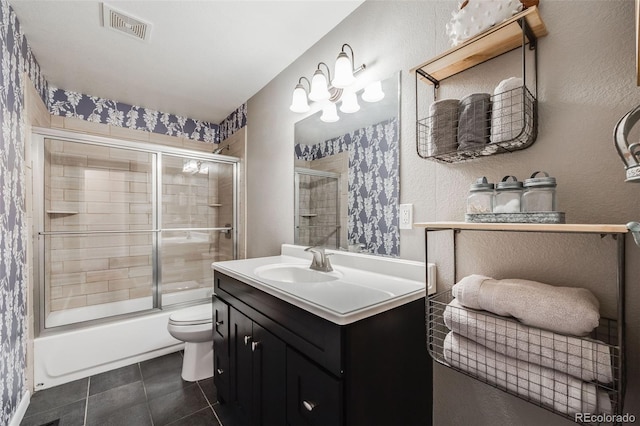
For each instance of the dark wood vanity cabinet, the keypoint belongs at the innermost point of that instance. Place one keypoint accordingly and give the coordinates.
(277, 364)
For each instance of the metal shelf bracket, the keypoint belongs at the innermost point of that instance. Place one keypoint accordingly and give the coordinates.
(634, 228)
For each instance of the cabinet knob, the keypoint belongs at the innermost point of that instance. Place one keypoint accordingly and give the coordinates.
(220, 371)
(247, 339)
(219, 323)
(308, 405)
(254, 346)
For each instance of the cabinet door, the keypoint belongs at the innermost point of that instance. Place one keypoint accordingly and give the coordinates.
(269, 364)
(241, 367)
(313, 396)
(221, 368)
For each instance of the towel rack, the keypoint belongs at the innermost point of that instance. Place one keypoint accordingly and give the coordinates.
(519, 31)
(612, 331)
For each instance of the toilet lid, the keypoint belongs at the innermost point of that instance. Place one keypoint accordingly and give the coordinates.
(199, 314)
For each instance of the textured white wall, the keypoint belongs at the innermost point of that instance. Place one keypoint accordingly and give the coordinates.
(586, 82)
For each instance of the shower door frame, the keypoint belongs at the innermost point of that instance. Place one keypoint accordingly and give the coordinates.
(38, 136)
(296, 199)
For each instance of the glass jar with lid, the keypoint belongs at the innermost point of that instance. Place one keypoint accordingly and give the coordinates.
(480, 199)
(539, 193)
(508, 195)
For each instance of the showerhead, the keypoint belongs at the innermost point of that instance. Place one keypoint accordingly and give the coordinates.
(218, 150)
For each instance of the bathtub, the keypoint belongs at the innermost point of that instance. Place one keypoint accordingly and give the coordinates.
(61, 357)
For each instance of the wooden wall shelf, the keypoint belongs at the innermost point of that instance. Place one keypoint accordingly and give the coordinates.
(487, 45)
(532, 227)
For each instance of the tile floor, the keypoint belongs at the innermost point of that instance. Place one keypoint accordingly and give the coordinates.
(147, 393)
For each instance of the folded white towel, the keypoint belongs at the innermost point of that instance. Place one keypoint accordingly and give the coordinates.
(585, 359)
(443, 127)
(507, 119)
(561, 392)
(566, 310)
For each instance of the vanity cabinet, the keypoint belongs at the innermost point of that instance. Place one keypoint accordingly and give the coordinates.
(287, 366)
(249, 363)
(221, 356)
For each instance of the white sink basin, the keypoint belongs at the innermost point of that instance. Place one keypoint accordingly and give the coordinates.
(293, 273)
(359, 285)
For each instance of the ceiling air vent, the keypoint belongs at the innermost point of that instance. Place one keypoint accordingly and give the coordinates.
(119, 21)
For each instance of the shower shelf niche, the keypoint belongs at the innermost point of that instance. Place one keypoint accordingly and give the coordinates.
(309, 215)
(61, 212)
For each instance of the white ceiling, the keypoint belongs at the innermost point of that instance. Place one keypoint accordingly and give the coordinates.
(203, 59)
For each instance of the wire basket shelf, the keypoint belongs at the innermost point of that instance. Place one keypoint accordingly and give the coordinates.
(501, 123)
(576, 377)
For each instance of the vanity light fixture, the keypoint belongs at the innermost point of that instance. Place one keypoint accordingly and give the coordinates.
(345, 71)
(349, 102)
(329, 113)
(321, 91)
(319, 86)
(194, 166)
(299, 102)
(373, 92)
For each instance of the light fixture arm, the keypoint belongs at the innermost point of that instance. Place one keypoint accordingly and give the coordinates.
(328, 71)
(308, 82)
(353, 60)
(334, 91)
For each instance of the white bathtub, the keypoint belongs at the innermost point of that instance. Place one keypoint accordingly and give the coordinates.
(70, 355)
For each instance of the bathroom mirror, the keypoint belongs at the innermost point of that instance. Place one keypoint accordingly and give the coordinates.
(347, 186)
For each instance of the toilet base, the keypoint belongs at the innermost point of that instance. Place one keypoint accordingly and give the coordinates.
(198, 361)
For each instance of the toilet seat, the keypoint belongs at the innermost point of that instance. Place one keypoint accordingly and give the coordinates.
(193, 315)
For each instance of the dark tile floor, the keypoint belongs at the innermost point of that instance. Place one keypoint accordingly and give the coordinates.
(147, 393)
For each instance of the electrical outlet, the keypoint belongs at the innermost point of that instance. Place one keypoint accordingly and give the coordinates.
(406, 216)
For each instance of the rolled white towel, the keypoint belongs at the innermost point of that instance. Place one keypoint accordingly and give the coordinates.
(587, 360)
(565, 310)
(507, 115)
(561, 392)
(443, 127)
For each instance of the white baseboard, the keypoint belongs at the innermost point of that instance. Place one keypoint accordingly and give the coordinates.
(22, 408)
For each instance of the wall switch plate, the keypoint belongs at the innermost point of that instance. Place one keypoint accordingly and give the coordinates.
(431, 278)
(406, 216)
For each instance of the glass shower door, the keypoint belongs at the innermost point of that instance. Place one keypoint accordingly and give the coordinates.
(98, 231)
(196, 225)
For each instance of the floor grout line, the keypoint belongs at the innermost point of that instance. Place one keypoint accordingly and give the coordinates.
(146, 396)
(210, 401)
(86, 401)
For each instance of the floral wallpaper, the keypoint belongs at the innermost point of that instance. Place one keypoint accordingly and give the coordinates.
(234, 122)
(66, 103)
(16, 58)
(374, 185)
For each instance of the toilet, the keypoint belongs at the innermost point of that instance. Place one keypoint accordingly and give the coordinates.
(193, 325)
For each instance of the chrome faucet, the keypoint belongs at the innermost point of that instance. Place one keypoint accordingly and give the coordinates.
(320, 260)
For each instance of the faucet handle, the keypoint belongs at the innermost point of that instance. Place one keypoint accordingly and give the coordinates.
(315, 249)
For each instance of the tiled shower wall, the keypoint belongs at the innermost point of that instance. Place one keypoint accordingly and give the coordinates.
(318, 198)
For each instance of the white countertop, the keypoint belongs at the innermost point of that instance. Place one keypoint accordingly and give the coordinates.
(367, 285)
